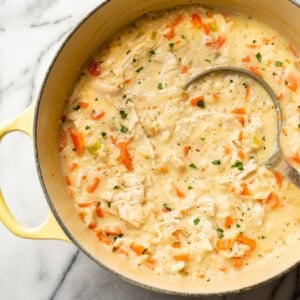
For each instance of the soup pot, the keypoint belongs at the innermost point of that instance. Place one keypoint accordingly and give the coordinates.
(41, 122)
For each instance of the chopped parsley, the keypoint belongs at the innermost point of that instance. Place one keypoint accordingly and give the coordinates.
(190, 187)
(128, 51)
(87, 127)
(238, 225)
(207, 60)
(298, 125)
(145, 250)
(258, 56)
(182, 36)
(171, 45)
(202, 139)
(96, 99)
(201, 104)
(216, 162)
(196, 221)
(245, 85)
(165, 205)
(254, 41)
(124, 129)
(231, 81)
(123, 114)
(109, 204)
(98, 203)
(77, 107)
(139, 69)
(151, 52)
(220, 232)
(160, 86)
(193, 166)
(103, 133)
(239, 165)
(278, 63)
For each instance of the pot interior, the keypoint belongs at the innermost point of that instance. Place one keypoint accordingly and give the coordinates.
(92, 32)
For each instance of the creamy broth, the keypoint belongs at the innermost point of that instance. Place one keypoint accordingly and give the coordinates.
(172, 179)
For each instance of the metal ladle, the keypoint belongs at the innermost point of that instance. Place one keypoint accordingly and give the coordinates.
(277, 160)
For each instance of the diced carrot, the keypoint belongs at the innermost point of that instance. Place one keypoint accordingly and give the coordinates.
(237, 262)
(216, 44)
(138, 249)
(177, 20)
(87, 204)
(93, 185)
(291, 82)
(186, 151)
(97, 115)
(77, 139)
(243, 239)
(241, 155)
(246, 59)
(92, 225)
(150, 260)
(245, 190)
(206, 28)
(163, 169)
(70, 192)
(201, 276)
(240, 136)
(241, 120)
(94, 68)
(181, 257)
(253, 46)
(216, 97)
(81, 215)
(223, 269)
(177, 234)
(99, 212)
(124, 155)
(179, 193)
(103, 238)
(68, 180)
(239, 111)
(184, 96)
(176, 245)
(272, 201)
(126, 81)
(228, 222)
(279, 96)
(227, 150)
(224, 244)
(278, 178)
(283, 131)
(255, 70)
(113, 230)
(62, 140)
(194, 101)
(196, 21)
(121, 250)
(83, 104)
(73, 167)
(247, 92)
(295, 158)
(184, 69)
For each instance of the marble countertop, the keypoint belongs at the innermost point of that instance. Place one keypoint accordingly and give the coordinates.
(30, 33)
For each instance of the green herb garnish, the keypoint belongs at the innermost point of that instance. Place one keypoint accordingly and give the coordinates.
(165, 205)
(171, 45)
(87, 127)
(139, 69)
(220, 232)
(124, 129)
(216, 162)
(103, 133)
(193, 166)
(201, 104)
(196, 221)
(258, 56)
(278, 63)
(160, 86)
(77, 107)
(123, 114)
(239, 165)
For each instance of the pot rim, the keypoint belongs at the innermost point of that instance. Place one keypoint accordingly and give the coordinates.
(60, 221)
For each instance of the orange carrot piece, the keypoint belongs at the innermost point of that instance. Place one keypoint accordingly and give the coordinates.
(224, 244)
(179, 193)
(255, 70)
(62, 140)
(278, 178)
(241, 155)
(150, 260)
(126, 81)
(92, 225)
(68, 180)
(194, 101)
(227, 150)
(243, 239)
(73, 167)
(283, 131)
(216, 97)
(83, 104)
(122, 251)
(103, 238)
(206, 29)
(239, 111)
(124, 155)
(93, 185)
(237, 262)
(295, 158)
(177, 234)
(138, 249)
(196, 20)
(216, 44)
(184, 69)
(201, 276)
(97, 115)
(77, 139)
(247, 92)
(186, 151)
(177, 20)
(70, 192)
(241, 120)
(240, 136)
(228, 222)
(87, 204)
(292, 82)
(164, 169)
(181, 257)
(272, 201)
(223, 269)
(245, 190)
(176, 245)
(81, 215)
(246, 59)
(113, 230)
(253, 46)
(99, 212)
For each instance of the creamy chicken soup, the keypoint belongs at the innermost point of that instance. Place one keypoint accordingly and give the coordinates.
(173, 180)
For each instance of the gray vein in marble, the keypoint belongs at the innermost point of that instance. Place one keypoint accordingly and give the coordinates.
(58, 21)
(64, 275)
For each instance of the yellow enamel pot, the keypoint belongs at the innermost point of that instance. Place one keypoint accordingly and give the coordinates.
(41, 122)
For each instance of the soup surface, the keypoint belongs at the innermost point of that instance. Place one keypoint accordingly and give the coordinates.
(173, 180)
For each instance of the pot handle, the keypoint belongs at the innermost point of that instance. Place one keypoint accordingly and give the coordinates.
(50, 228)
